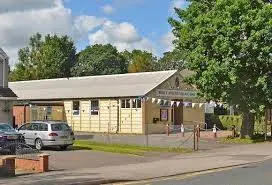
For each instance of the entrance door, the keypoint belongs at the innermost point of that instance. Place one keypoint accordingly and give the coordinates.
(178, 114)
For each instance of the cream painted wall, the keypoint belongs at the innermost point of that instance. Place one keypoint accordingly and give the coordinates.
(130, 119)
(190, 115)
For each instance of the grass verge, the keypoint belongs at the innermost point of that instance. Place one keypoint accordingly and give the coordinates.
(124, 149)
(238, 140)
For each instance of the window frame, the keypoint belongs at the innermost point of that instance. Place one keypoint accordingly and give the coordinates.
(127, 102)
(76, 112)
(136, 102)
(94, 112)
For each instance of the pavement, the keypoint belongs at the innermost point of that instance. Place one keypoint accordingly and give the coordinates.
(173, 165)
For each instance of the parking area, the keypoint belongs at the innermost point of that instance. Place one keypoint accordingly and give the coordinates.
(76, 159)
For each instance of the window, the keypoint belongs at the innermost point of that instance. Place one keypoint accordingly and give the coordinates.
(94, 107)
(125, 103)
(49, 110)
(43, 127)
(60, 127)
(137, 103)
(34, 126)
(24, 127)
(75, 107)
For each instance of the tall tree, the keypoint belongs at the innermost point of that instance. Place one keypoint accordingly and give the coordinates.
(228, 44)
(100, 60)
(44, 58)
(171, 60)
(140, 61)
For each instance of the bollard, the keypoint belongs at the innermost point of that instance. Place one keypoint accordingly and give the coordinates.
(167, 129)
(214, 131)
(182, 130)
(198, 130)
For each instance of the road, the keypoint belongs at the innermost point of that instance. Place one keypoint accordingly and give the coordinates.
(258, 173)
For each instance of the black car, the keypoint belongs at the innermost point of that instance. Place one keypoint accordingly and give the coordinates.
(9, 138)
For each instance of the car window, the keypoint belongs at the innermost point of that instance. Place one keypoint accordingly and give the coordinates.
(60, 127)
(6, 127)
(34, 126)
(24, 127)
(43, 127)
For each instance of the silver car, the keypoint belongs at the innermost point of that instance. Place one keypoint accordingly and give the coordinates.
(47, 133)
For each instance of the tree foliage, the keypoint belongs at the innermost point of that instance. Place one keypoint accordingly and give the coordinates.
(140, 61)
(228, 44)
(100, 60)
(171, 60)
(45, 58)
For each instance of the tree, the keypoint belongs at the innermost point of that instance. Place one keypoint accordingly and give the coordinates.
(171, 60)
(100, 60)
(45, 58)
(228, 45)
(140, 61)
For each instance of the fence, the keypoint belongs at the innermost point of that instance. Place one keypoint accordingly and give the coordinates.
(173, 136)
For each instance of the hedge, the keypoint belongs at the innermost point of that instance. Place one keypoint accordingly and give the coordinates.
(228, 120)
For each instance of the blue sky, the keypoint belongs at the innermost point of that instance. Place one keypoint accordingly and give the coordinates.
(150, 17)
(126, 24)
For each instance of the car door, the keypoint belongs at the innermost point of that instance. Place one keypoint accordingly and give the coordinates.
(24, 129)
(32, 133)
(43, 132)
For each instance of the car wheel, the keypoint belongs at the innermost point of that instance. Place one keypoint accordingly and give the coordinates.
(64, 147)
(38, 144)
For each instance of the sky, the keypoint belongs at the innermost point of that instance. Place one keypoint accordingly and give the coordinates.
(126, 24)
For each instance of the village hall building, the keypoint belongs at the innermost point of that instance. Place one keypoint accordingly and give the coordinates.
(122, 103)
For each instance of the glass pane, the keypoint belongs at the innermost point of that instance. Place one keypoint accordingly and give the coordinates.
(127, 103)
(6, 127)
(34, 126)
(123, 104)
(134, 102)
(139, 104)
(60, 127)
(94, 105)
(76, 105)
(43, 127)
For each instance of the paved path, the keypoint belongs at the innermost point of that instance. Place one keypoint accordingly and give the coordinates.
(253, 174)
(175, 165)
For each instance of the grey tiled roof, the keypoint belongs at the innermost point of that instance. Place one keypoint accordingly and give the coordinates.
(120, 85)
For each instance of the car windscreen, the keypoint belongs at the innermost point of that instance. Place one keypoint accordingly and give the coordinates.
(6, 128)
(59, 127)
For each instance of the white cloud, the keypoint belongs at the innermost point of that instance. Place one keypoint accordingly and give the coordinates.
(49, 17)
(15, 5)
(108, 9)
(28, 17)
(83, 24)
(167, 41)
(122, 35)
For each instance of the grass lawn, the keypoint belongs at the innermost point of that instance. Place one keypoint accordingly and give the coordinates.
(124, 149)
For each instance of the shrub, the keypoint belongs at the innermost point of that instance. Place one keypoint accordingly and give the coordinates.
(229, 120)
